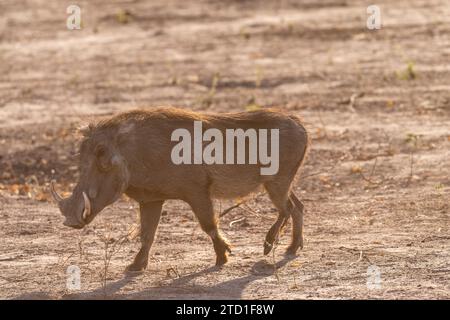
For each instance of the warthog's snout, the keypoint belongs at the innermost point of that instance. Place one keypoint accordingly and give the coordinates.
(76, 213)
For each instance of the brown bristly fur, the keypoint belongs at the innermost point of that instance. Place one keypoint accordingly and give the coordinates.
(140, 142)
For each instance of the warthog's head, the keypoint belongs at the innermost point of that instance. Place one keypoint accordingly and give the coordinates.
(103, 178)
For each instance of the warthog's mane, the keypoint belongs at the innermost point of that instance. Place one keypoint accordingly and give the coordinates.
(112, 124)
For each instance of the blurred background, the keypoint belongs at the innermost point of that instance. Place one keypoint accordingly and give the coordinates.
(376, 103)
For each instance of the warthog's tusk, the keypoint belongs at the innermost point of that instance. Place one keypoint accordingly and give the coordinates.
(55, 194)
(87, 206)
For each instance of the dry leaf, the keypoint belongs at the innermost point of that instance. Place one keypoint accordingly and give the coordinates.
(356, 169)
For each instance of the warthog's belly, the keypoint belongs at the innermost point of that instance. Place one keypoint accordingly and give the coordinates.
(233, 191)
(235, 181)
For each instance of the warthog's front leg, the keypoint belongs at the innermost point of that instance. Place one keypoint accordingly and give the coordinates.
(204, 210)
(150, 213)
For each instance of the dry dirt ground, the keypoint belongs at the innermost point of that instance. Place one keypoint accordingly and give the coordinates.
(376, 183)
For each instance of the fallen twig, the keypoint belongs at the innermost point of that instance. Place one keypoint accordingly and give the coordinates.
(237, 205)
(352, 100)
(361, 257)
(431, 238)
(174, 271)
(236, 221)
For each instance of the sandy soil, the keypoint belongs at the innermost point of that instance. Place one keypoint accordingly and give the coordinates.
(376, 184)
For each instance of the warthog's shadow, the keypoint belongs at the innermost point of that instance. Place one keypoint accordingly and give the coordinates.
(182, 288)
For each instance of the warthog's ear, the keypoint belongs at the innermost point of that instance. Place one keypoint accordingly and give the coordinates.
(86, 130)
(104, 157)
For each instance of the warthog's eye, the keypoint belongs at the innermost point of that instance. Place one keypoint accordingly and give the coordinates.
(93, 192)
(103, 157)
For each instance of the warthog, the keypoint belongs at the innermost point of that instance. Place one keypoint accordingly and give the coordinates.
(131, 153)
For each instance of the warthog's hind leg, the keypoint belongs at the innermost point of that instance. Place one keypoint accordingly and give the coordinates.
(278, 195)
(296, 209)
(150, 213)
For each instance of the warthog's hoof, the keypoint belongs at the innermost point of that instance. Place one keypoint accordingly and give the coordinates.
(222, 253)
(135, 268)
(267, 247)
(292, 249)
(221, 260)
(290, 252)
